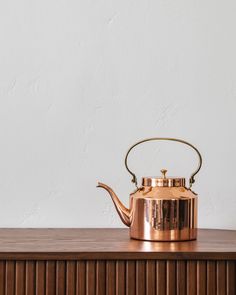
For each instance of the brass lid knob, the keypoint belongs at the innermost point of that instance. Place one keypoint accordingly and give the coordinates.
(163, 172)
(163, 181)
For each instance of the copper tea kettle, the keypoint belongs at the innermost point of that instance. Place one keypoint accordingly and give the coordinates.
(162, 208)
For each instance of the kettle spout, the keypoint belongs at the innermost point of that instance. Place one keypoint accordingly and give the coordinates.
(123, 212)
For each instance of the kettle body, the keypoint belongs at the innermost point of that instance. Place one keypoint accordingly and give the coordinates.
(163, 214)
(162, 208)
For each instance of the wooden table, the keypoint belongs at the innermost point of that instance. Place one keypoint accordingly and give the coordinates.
(106, 261)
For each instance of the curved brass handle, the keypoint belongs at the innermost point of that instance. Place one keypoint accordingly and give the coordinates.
(191, 179)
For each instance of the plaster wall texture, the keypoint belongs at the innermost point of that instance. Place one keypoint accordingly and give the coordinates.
(81, 81)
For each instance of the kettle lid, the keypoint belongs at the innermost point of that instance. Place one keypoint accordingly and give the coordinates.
(163, 181)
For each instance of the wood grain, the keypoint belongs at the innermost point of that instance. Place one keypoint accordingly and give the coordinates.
(81, 278)
(140, 277)
(20, 278)
(191, 278)
(221, 277)
(211, 278)
(50, 277)
(60, 277)
(201, 277)
(120, 277)
(160, 278)
(70, 277)
(10, 278)
(86, 276)
(110, 277)
(130, 278)
(151, 277)
(181, 277)
(170, 277)
(40, 277)
(98, 244)
(231, 277)
(30, 275)
(2, 277)
(90, 278)
(101, 274)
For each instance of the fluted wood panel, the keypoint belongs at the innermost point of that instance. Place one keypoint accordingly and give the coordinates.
(20, 277)
(50, 277)
(161, 278)
(201, 277)
(211, 278)
(181, 277)
(220, 277)
(151, 276)
(10, 278)
(171, 277)
(140, 277)
(191, 278)
(101, 278)
(70, 277)
(118, 277)
(81, 278)
(130, 277)
(110, 278)
(231, 277)
(40, 278)
(60, 278)
(2, 276)
(30, 277)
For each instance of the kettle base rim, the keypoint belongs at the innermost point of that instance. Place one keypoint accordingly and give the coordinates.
(175, 235)
(164, 241)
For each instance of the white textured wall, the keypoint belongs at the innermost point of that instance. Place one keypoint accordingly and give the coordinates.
(80, 81)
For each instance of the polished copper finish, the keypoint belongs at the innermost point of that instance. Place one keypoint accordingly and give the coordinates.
(163, 182)
(162, 209)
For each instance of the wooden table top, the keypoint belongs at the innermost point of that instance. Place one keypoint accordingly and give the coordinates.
(111, 244)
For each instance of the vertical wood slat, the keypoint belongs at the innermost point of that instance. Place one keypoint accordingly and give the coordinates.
(10, 278)
(70, 277)
(170, 277)
(231, 277)
(60, 277)
(40, 277)
(90, 277)
(211, 277)
(101, 278)
(30, 271)
(181, 277)
(110, 277)
(130, 277)
(201, 277)
(2, 277)
(20, 278)
(221, 277)
(81, 278)
(140, 277)
(50, 278)
(160, 278)
(151, 277)
(120, 277)
(191, 278)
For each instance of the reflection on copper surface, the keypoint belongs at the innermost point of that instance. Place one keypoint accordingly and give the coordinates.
(159, 213)
(162, 209)
(164, 220)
